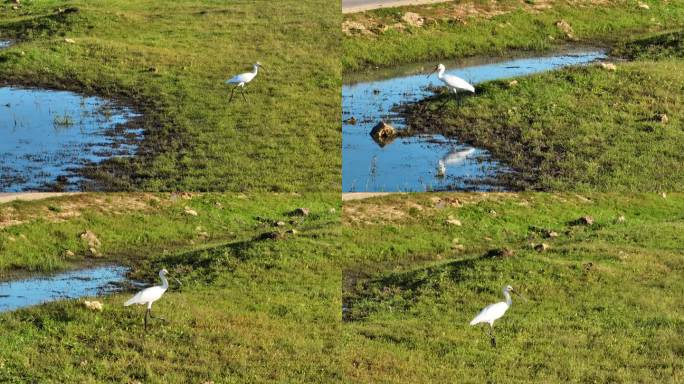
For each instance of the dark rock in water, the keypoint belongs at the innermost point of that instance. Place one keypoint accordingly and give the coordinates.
(351, 120)
(383, 133)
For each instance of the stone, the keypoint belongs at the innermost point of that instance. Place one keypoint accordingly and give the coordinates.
(70, 41)
(93, 252)
(69, 253)
(94, 305)
(662, 118)
(500, 253)
(90, 238)
(350, 28)
(190, 212)
(351, 120)
(413, 19)
(512, 83)
(279, 224)
(566, 28)
(609, 66)
(300, 212)
(643, 5)
(270, 236)
(585, 220)
(292, 231)
(620, 219)
(542, 247)
(453, 221)
(383, 133)
(551, 234)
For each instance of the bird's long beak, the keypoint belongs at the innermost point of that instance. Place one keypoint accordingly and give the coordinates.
(430, 74)
(177, 281)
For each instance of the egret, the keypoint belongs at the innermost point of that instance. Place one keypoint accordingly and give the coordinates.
(150, 295)
(453, 83)
(242, 79)
(493, 312)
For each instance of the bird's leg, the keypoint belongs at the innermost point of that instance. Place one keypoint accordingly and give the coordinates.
(156, 317)
(491, 335)
(147, 312)
(231, 95)
(242, 90)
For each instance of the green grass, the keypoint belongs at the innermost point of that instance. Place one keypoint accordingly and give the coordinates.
(249, 310)
(169, 61)
(498, 28)
(602, 301)
(579, 128)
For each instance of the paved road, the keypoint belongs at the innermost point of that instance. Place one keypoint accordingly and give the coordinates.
(351, 6)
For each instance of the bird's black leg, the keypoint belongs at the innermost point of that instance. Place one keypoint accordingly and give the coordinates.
(242, 90)
(491, 334)
(231, 94)
(147, 312)
(156, 317)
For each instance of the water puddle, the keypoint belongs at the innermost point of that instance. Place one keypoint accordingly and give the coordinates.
(47, 136)
(95, 281)
(5, 43)
(413, 164)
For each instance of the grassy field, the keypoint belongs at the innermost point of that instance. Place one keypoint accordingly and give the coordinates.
(469, 28)
(249, 310)
(603, 299)
(579, 128)
(169, 61)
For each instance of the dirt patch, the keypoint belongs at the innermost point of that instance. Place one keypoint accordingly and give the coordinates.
(374, 211)
(62, 209)
(459, 12)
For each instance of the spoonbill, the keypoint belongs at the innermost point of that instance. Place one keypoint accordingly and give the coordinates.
(242, 79)
(150, 295)
(452, 82)
(493, 312)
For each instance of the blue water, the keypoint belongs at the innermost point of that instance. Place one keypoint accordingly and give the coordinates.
(68, 285)
(49, 134)
(411, 164)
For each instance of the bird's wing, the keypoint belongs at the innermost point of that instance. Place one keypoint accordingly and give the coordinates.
(135, 299)
(490, 312)
(146, 295)
(457, 82)
(241, 78)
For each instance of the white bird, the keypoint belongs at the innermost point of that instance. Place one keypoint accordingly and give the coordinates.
(242, 79)
(493, 312)
(150, 295)
(454, 83)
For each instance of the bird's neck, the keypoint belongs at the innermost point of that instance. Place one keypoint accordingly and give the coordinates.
(256, 69)
(507, 295)
(441, 72)
(165, 283)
